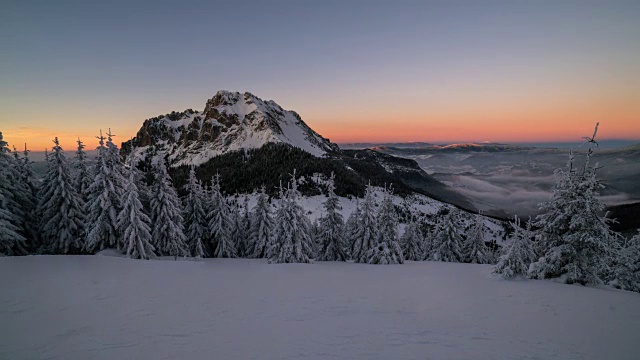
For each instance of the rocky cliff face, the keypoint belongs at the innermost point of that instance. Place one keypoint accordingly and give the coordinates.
(230, 121)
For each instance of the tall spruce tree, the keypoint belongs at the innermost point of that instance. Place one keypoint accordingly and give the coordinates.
(425, 228)
(474, 249)
(352, 229)
(16, 199)
(292, 236)
(220, 223)
(246, 225)
(261, 233)
(387, 250)
(82, 177)
(237, 233)
(28, 175)
(136, 236)
(517, 254)
(115, 163)
(367, 230)
(61, 207)
(412, 242)
(12, 242)
(314, 233)
(331, 227)
(103, 204)
(447, 240)
(196, 217)
(167, 231)
(282, 225)
(10, 238)
(574, 237)
(143, 182)
(27, 196)
(626, 274)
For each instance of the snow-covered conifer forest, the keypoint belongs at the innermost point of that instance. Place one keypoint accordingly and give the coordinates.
(111, 206)
(81, 207)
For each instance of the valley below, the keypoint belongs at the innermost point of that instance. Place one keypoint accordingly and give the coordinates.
(507, 180)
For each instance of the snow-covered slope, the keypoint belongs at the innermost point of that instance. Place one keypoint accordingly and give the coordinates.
(419, 205)
(87, 307)
(230, 121)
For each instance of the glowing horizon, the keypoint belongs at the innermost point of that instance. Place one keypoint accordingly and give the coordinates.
(39, 139)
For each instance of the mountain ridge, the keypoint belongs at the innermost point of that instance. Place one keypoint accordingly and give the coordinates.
(230, 121)
(254, 143)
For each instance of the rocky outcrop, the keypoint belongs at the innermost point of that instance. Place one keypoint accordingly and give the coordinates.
(230, 121)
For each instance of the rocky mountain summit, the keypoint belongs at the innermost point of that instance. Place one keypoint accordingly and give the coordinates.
(230, 121)
(254, 143)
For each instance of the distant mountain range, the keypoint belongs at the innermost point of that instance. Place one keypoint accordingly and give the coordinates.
(487, 146)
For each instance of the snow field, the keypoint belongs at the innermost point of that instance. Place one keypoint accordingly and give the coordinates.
(80, 307)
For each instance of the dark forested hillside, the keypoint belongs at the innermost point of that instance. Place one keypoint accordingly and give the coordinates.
(247, 170)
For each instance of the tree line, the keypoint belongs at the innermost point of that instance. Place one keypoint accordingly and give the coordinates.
(80, 209)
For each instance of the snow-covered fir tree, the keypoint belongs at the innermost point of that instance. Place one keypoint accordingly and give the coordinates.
(388, 249)
(82, 177)
(627, 265)
(574, 238)
(447, 241)
(166, 214)
(292, 238)
(136, 236)
(26, 194)
(314, 232)
(114, 158)
(196, 217)
(517, 253)
(260, 235)
(246, 225)
(61, 207)
(103, 204)
(427, 229)
(220, 223)
(474, 249)
(143, 182)
(16, 201)
(331, 227)
(12, 241)
(282, 225)
(237, 230)
(352, 230)
(26, 169)
(119, 181)
(10, 238)
(367, 232)
(412, 242)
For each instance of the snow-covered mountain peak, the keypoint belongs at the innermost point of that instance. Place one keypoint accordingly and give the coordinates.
(230, 121)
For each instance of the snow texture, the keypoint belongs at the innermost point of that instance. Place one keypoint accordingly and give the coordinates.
(82, 307)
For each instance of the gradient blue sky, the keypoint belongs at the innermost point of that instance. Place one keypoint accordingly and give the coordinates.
(354, 70)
